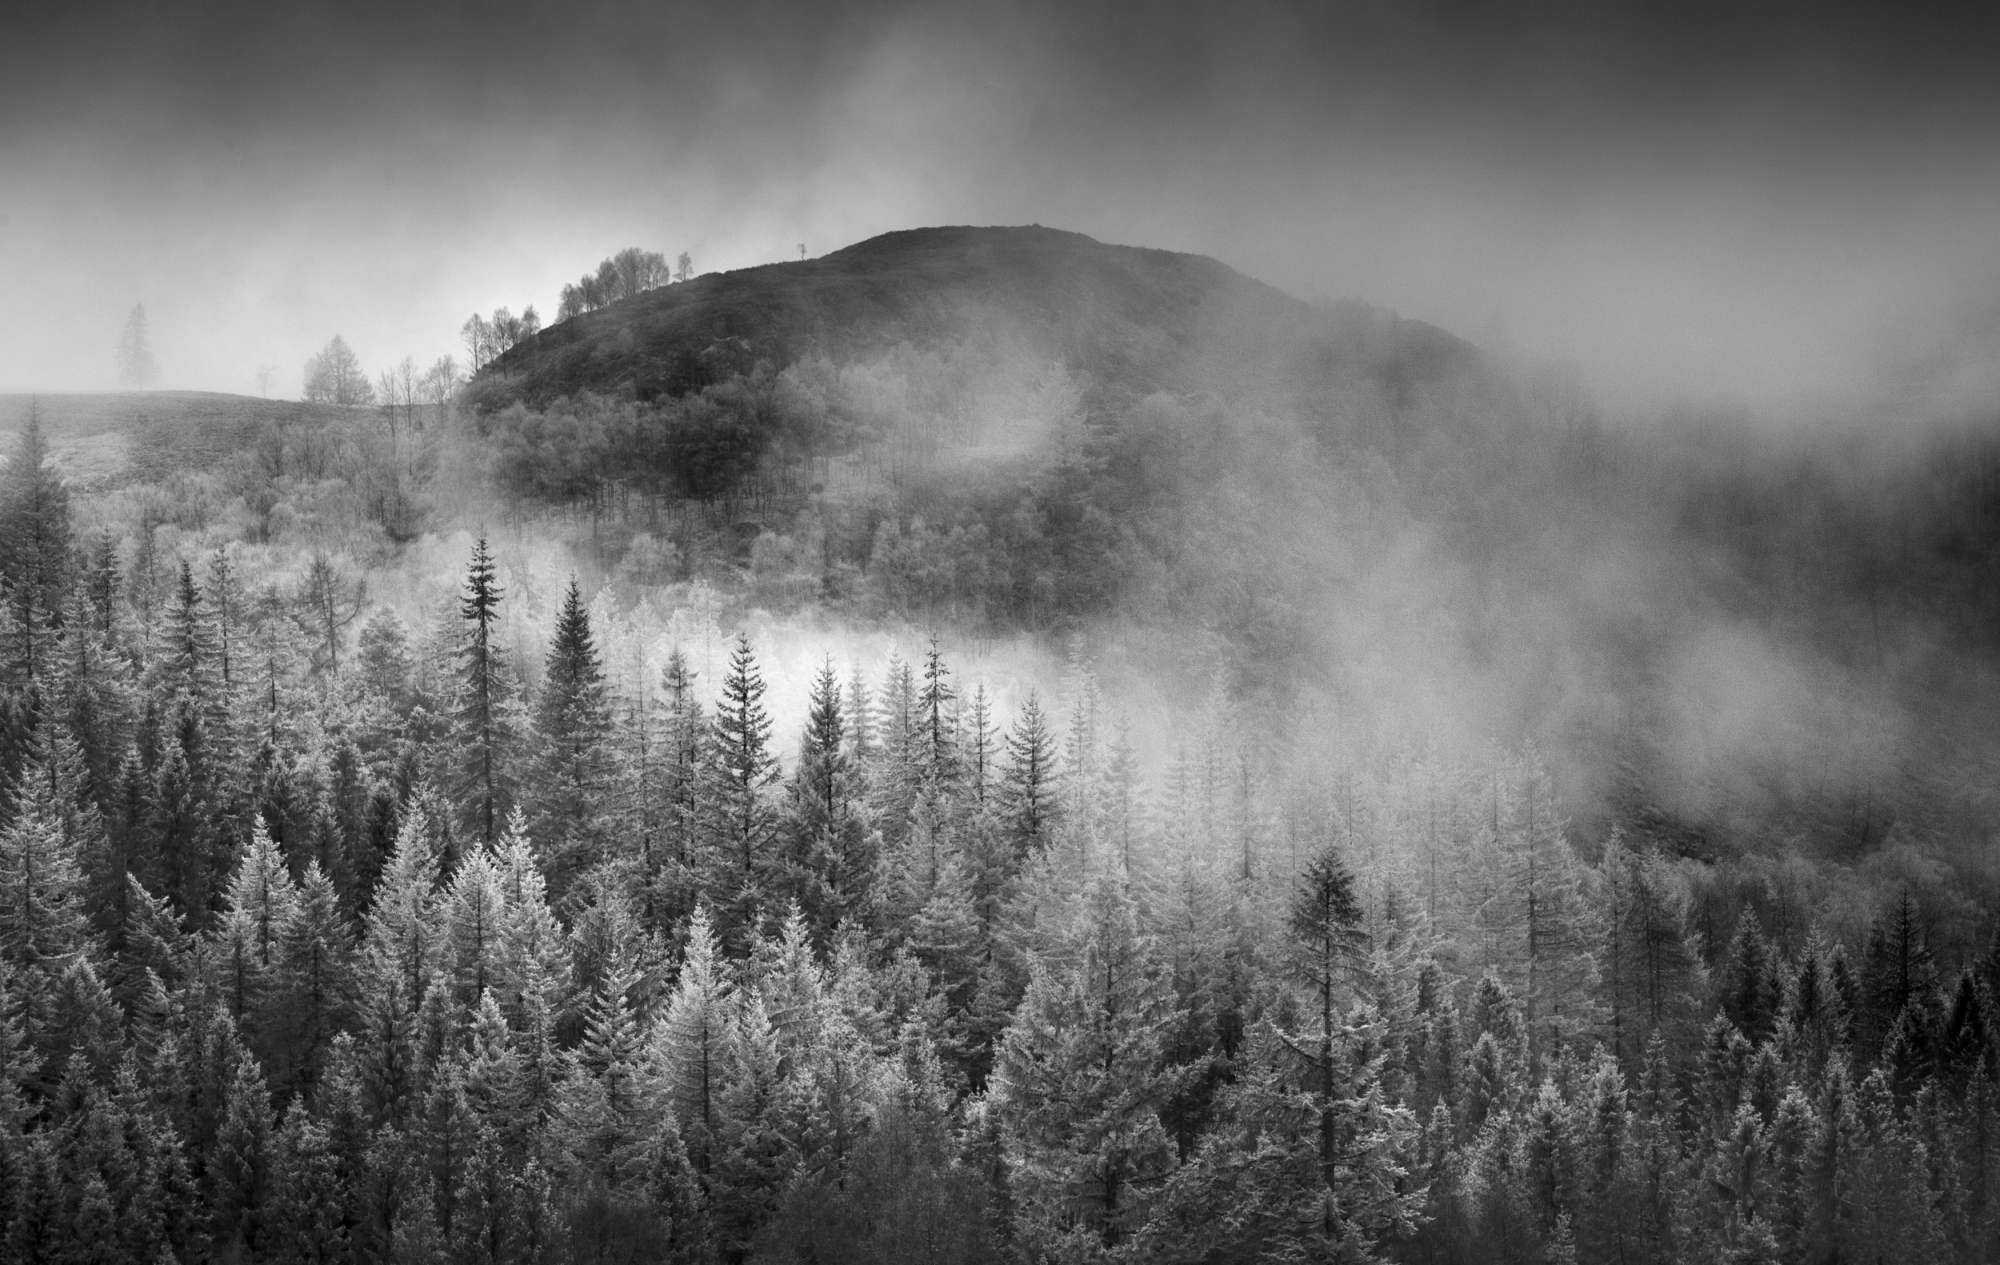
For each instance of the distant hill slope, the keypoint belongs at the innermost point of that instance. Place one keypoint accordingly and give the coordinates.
(1133, 320)
(104, 437)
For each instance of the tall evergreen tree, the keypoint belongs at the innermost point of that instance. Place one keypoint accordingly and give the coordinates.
(485, 725)
(316, 978)
(693, 1036)
(740, 774)
(1328, 938)
(684, 739)
(1029, 796)
(34, 546)
(938, 765)
(42, 911)
(1077, 1081)
(573, 726)
(980, 739)
(827, 868)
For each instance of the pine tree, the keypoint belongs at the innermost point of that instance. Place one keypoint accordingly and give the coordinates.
(190, 668)
(1121, 797)
(44, 892)
(399, 962)
(1898, 970)
(1326, 929)
(692, 1038)
(247, 938)
(34, 547)
(893, 774)
(535, 962)
(740, 773)
(828, 867)
(1081, 758)
(240, 1169)
(1653, 967)
(1029, 794)
(1077, 1078)
(573, 726)
(316, 972)
(55, 789)
(937, 757)
(684, 737)
(752, 1157)
(1750, 989)
(476, 918)
(978, 740)
(484, 719)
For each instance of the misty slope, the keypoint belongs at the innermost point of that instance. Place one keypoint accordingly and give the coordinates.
(1359, 527)
(100, 438)
(1135, 320)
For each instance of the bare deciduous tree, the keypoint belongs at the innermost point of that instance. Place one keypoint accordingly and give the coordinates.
(329, 602)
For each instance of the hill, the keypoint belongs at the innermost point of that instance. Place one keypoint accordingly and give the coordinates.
(105, 438)
(1133, 320)
(1715, 634)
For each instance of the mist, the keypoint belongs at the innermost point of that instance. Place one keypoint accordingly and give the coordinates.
(1686, 202)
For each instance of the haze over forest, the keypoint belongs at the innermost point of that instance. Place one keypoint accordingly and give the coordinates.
(1029, 632)
(1691, 199)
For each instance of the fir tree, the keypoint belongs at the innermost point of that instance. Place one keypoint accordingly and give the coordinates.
(684, 737)
(1326, 929)
(476, 918)
(316, 973)
(692, 1038)
(1077, 1078)
(827, 869)
(249, 932)
(42, 913)
(1029, 797)
(979, 739)
(573, 726)
(34, 546)
(740, 773)
(937, 756)
(484, 721)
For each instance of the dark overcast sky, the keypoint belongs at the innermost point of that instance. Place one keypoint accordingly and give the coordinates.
(1711, 196)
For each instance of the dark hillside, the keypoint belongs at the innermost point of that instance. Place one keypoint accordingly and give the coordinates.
(1133, 320)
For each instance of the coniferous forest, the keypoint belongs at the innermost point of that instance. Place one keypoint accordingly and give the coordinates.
(326, 938)
(1000, 632)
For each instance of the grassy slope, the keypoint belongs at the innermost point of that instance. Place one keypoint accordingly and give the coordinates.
(100, 439)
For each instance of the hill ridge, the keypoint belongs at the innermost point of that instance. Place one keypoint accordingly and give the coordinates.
(1131, 319)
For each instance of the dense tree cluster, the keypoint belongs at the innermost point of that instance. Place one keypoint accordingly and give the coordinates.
(488, 338)
(630, 272)
(405, 951)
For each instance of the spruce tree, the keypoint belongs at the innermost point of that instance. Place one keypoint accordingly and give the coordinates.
(684, 739)
(42, 910)
(316, 977)
(937, 756)
(1029, 790)
(740, 773)
(484, 721)
(692, 1038)
(981, 766)
(573, 728)
(1076, 1083)
(827, 869)
(34, 547)
(1327, 935)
